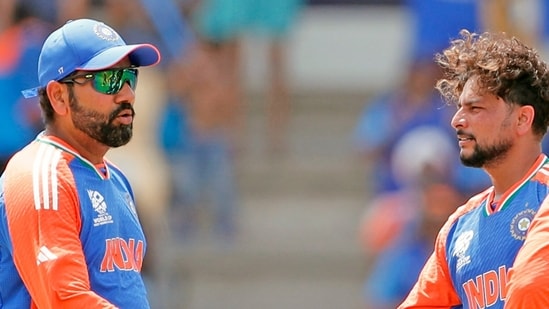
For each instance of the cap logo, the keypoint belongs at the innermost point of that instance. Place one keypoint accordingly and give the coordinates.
(105, 32)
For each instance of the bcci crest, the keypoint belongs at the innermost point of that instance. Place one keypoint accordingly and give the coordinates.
(105, 32)
(521, 223)
(130, 204)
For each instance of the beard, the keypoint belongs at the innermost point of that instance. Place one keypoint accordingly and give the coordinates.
(101, 127)
(485, 155)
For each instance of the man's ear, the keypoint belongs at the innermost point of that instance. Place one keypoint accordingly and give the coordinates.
(525, 119)
(59, 97)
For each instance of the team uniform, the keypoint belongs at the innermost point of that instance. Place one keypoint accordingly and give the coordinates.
(69, 232)
(477, 247)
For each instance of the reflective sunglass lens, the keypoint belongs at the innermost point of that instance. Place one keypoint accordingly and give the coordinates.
(112, 81)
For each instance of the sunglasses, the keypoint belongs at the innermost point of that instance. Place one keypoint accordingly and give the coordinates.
(107, 81)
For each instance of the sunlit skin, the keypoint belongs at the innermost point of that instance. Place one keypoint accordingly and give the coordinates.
(495, 136)
(485, 114)
(80, 122)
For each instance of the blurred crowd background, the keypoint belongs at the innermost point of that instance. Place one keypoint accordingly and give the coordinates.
(287, 153)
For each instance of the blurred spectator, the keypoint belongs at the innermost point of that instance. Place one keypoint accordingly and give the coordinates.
(207, 180)
(225, 22)
(193, 122)
(400, 227)
(396, 267)
(422, 152)
(274, 21)
(174, 138)
(21, 38)
(412, 103)
(221, 23)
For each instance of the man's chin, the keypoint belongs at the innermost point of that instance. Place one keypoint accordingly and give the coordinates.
(470, 161)
(119, 139)
(120, 142)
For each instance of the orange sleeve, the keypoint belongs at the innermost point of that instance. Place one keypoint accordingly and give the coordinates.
(44, 223)
(434, 288)
(528, 284)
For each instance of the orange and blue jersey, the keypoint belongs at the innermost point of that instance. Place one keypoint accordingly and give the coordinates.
(477, 247)
(70, 236)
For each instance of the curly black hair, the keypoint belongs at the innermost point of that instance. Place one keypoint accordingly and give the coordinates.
(503, 66)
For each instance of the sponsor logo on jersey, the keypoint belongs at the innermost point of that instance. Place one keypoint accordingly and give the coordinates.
(122, 255)
(521, 223)
(44, 255)
(100, 207)
(460, 249)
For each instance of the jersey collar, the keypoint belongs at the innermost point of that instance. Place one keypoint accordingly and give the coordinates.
(64, 146)
(511, 192)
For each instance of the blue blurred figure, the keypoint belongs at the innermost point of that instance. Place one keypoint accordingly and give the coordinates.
(390, 115)
(400, 227)
(20, 43)
(414, 101)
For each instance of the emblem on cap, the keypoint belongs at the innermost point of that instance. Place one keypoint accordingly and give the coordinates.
(105, 32)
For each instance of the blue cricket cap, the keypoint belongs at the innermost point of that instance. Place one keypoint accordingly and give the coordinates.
(86, 44)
